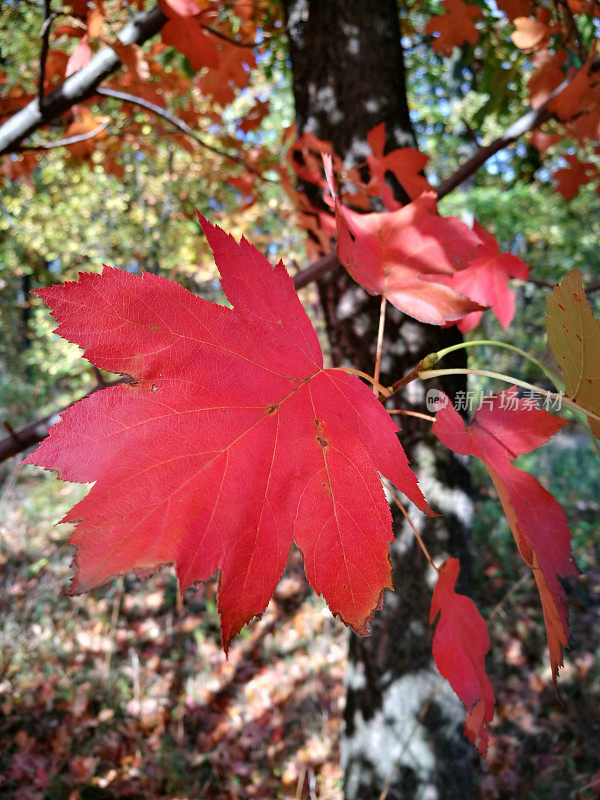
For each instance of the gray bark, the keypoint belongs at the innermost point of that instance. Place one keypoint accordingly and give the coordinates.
(403, 726)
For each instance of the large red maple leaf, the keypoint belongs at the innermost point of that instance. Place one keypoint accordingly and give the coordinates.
(232, 442)
(500, 431)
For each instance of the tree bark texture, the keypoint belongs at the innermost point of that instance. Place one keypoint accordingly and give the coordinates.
(403, 724)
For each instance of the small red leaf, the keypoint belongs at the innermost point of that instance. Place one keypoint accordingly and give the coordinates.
(404, 163)
(460, 643)
(455, 27)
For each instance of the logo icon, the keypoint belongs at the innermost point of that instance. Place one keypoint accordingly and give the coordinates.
(435, 400)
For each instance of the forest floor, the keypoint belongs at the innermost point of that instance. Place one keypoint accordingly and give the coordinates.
(126, 693)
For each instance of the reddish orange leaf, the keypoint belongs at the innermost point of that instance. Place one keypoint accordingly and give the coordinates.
(80, 56)
(133, 59)
(85, 123)
(95, 20)
(533, 34)
(547, 76)
(189, 37)
(571, 178)
(232, 442)
(460, 643)
(455, 27)
(233, 72)
(570, 101)
(516, 8)
(499, 432)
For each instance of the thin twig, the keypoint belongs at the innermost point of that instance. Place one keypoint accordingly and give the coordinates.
(226, 38)
(381, 389)
(45, 37)
(408, 413)
(80, 137)
(418, 536)
(177, 123)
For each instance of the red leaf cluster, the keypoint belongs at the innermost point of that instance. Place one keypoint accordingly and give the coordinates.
(500, 432)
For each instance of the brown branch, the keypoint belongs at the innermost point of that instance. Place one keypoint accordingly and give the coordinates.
(45, 37)
(80, 137)
(37, 431)
(316, 270)
(226, 38)
(177, 123)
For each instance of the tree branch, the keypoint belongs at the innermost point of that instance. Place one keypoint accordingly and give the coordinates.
(177, 123)
(532, 119)
(80, 137)
(81, 85)
(45, 37)
(316, 270)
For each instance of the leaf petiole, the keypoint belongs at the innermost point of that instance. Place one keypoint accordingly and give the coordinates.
(477, 342)
(380, 331)
(418, 536)
(408, 413)
(383, 390)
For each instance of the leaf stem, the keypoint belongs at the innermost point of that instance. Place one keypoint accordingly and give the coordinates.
(380, 331)
(422, 544)
(436, 373)
(382, 390)
(424, 363)
(428, 417)
(490, 343)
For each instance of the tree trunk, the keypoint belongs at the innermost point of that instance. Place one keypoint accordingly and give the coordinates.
(403, 725)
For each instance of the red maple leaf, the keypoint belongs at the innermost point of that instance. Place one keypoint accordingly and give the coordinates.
(233, 72)
(455, 27)
(232, 442)
(188, 36)
(498, 433)
(460, 643)
(406, 255)
(486, 279)
(571, 178)
(404, 163)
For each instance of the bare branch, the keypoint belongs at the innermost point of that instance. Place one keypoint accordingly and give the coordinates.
(80, 137)
(316, 270)
(177, 123)
(45, 37)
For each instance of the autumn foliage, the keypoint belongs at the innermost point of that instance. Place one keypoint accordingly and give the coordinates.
(228, 439)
